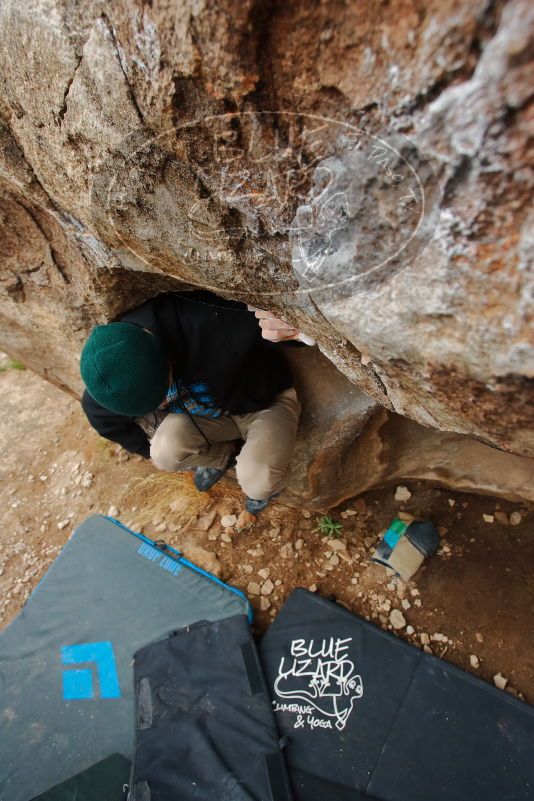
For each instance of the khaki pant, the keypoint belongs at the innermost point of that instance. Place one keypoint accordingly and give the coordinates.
(264, 458)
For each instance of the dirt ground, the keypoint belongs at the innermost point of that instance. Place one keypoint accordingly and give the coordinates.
(470, 604)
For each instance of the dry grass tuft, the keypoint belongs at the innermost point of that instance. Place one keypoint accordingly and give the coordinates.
(173, 496)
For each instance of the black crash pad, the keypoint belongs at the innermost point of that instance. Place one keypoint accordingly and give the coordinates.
(369, 715)
(205, 726)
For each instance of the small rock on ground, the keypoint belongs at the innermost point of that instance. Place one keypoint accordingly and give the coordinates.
(499, 681)
(206, 521)
(203, 558)
(397, 619)
(286, 551)
(402, 494)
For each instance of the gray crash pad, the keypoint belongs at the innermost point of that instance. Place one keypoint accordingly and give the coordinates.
(66, 680)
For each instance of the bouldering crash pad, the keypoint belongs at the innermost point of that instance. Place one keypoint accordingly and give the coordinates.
(66, 678)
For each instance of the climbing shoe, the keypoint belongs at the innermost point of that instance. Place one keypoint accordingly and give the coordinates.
(254, 507)
(206, 477)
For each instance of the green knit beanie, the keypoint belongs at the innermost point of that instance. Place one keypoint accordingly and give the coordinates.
(125, 368)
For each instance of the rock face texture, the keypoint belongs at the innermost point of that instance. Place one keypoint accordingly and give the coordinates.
(358, 168)
(349, 443)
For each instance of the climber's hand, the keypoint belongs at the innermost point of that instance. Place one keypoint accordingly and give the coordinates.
(272, 328)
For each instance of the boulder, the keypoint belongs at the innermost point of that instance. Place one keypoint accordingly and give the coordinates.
(366, 180)
(349, 444)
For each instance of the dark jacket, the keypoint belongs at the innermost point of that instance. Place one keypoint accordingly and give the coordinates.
(208, 339)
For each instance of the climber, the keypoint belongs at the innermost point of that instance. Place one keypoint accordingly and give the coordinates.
(185, 378)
